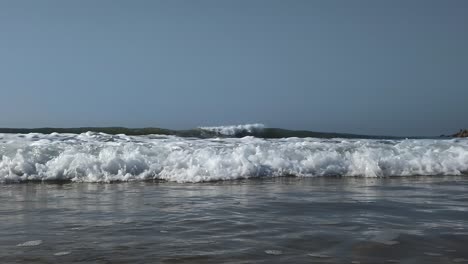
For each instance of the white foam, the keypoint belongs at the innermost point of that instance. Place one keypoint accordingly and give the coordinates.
(62, 253)
(235, 130)
(97, 157)
(273, 252)
(31, 243)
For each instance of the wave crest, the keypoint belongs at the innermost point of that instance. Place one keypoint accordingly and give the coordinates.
(235, 129)
(98, 157)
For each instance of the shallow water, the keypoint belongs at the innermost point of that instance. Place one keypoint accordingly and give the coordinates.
(282, 220)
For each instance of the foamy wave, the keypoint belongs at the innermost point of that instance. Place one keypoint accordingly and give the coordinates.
(97, 157)
(235, 130)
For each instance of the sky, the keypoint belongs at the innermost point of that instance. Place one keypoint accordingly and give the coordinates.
(370, 67)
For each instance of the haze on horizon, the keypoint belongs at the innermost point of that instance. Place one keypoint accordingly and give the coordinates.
(367, 67)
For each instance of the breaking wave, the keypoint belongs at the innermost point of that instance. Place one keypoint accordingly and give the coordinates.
(235, 130)
(99, 157)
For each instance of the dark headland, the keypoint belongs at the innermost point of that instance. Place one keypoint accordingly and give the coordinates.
(461, 133)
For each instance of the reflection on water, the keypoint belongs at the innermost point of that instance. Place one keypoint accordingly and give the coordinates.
(321, 220)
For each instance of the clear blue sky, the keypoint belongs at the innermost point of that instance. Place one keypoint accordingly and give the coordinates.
(372, 67)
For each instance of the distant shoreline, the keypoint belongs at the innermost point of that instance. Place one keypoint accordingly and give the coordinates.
(197, 132)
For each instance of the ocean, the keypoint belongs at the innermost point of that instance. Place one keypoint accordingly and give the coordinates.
(100, 198)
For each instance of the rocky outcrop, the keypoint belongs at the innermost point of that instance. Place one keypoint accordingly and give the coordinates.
(461, 133)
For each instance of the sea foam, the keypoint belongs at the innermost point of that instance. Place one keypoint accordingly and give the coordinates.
(98, 157)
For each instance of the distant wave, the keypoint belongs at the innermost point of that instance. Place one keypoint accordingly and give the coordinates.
(99, 157)
(235, 130)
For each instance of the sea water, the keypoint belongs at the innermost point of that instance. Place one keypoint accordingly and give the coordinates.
(99, 198)
(270, 220)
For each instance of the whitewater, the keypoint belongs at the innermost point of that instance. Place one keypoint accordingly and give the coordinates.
(99, 157)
